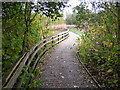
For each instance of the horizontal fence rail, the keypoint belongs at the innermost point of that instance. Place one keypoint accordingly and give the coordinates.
(27, 58)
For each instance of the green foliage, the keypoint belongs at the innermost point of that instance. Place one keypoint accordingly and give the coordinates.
(71, 19)
(36, 71)
(42, 60)
(26, 78)
(35, 83)
(23, 25)
(99, 48)
(60, 20)
(76, 31)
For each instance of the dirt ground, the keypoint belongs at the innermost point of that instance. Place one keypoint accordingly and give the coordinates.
(62, 68)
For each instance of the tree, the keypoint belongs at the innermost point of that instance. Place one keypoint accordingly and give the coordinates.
(71, 19)
(100, 46)
(21, 24)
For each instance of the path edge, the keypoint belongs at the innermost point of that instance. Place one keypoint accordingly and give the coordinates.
(95, 81)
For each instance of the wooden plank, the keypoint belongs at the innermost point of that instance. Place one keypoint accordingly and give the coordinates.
(46, 40)
(14, 77)
(62, 32)
(14, 68)
(35, 64)
(39, 58)
(45, 51)
(42, 54)
(37, 44)
(35, 52)
(61, 40)
(60, 36)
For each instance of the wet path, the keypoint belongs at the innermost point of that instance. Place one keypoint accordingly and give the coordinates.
(62, 68)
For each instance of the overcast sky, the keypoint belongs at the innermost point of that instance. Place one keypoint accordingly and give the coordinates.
(74, 3)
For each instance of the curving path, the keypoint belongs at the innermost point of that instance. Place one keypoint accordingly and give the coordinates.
(62, 68)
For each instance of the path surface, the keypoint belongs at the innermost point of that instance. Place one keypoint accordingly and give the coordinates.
(62, 68)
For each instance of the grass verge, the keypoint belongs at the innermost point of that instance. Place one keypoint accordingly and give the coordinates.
(76, 31)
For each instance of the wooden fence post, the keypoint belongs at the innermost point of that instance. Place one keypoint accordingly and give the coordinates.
(62, 35)
(45, 44)
(52, 42)
(58, 38)
(26, 59)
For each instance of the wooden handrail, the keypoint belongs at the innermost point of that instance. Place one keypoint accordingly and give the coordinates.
(27, 58)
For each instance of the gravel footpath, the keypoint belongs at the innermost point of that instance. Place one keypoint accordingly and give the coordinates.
(62, 68)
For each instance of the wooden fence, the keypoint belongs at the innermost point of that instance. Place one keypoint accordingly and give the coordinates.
(36, 52)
